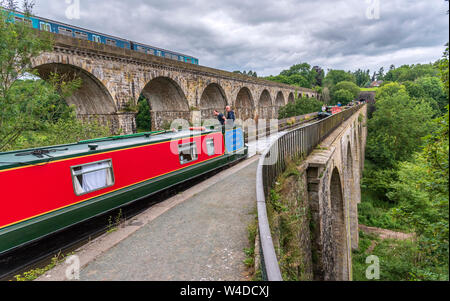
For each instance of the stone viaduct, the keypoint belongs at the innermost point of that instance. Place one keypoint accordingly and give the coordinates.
(334, 171)
(114, 79)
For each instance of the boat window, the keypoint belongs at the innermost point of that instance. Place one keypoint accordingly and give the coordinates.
(210, 147)
(92, 177)
(158, 53)
(188, 153)
(188, 61)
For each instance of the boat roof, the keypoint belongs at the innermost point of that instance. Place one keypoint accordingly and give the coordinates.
(44, 155)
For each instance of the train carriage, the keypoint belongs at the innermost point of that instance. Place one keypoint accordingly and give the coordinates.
(49, 189)
(56, 27)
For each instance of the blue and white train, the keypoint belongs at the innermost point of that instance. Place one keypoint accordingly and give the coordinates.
(80, 33)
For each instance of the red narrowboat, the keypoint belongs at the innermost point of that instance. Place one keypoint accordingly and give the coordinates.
(49, 189)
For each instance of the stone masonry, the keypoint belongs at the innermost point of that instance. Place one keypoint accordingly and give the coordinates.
(115, 78)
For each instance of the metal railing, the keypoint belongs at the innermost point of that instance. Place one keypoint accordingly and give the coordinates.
(294, 144)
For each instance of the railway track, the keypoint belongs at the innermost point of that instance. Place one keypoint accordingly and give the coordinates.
(39, 254)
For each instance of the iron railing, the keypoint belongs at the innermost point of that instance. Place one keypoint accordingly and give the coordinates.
(294, 144)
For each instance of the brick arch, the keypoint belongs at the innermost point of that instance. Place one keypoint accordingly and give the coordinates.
(279, 101)
(167, 101)
(244, 104)
(212, 98)
(265, 105)
(91, 98)
(291, 98)
(338, 225)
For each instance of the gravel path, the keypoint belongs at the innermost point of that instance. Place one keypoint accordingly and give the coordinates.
(201, 239)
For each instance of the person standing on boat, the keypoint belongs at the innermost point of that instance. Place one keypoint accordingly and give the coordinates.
(220, 117)
(231, 117)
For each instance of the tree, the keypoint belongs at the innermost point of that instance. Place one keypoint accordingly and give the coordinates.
(443, 70)
(31, 111)
(352, 89)
(301, 106)
(342, 96)
(434, 88)
(397, 127)
(320, 76)
(362, 77)
(380, 74)
(143, 118)
(336, 76)
(422, 194)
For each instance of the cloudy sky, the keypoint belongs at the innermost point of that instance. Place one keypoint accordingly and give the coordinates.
(268, 36)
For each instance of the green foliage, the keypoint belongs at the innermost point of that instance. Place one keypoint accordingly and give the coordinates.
(301, 75)
(143, 117)
(443, 69)
(64, 131)
(289, 217)
(33, 113)
(362, 77)
(38, 272)
(336, 76)
(422, 194)
(434, 89)
(249, 73)
(301, 106)
(399, 261)
(411, 72)
(344, 92)
(342, 96)
(397, 126)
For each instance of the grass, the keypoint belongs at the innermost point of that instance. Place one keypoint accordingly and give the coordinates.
(399, 261)
(289, 221)
(369, 89)
(36, 273)
(377, 213)
(249, 260)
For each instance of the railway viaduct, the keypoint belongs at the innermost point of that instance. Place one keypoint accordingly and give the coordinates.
(115, 78)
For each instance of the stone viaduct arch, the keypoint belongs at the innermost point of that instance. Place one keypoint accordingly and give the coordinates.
(291, 98)
(265, 105)
(167, 101)
(244, 104)
(213, 98)
(115, 78)
(279, 102)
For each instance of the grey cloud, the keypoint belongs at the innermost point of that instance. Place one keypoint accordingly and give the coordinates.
(269, 36)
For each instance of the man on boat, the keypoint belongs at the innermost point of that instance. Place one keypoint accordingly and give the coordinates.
(230, 114)
(220, 117)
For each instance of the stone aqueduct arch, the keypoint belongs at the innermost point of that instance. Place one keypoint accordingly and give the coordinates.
(334, 176)
(114, 80)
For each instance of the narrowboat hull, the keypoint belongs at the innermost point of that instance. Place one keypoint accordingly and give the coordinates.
(28, 232)
(41, 198)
